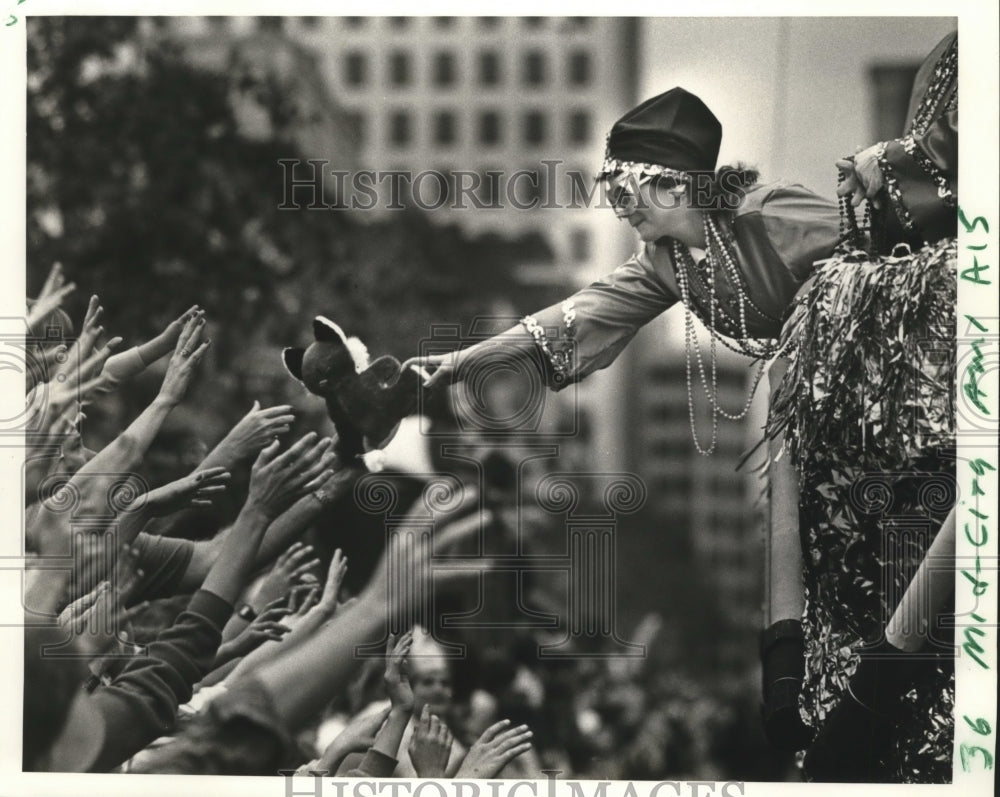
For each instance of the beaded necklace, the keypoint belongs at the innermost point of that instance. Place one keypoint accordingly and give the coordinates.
(719, 248)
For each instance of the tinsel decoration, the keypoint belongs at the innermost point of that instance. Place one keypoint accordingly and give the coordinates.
(872, 359)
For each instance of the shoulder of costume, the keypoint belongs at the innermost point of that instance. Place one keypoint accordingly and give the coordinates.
(758, 197)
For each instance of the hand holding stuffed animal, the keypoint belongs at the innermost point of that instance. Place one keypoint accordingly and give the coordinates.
(365, 401)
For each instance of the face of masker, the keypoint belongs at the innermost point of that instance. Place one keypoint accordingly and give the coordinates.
(655, 208)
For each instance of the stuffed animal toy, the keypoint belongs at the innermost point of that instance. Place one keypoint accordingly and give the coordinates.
(366, 402)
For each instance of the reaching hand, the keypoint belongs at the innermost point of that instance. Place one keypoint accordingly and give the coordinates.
(430, 745)
(288, 571)
(74, 454)
(73, 614)
(195, 489)
(396, 683)
(94, 619)
(493, 750)
(51, 297)
(302, 599)
(334, 579)
(91, 329)
(56, 398)
(442, 366)
(278, 480)
(264, 627)
(163, 343)
(187, 354)
(258, 428)
(862, 177)
(357, 737)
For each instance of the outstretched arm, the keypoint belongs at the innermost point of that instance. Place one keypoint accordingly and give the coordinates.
(600, 319)
(276, 479)
(128, 364)
(254, 430)
(285, 529)
(122, 456)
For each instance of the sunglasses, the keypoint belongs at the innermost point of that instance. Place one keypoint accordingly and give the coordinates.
(622, 194)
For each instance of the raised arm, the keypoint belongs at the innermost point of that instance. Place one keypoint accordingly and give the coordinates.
(381, 757)
(123, 455)
(275, 481)
(285, 529)
(311, 673)
(130, 363)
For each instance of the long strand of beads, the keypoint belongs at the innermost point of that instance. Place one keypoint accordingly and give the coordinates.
(691, 342)
(747, 345)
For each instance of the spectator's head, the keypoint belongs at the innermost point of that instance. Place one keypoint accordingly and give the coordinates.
(430, 675)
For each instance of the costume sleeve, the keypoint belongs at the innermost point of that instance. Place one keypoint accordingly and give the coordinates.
(920, 170)
(124, 365)
(920, 174)
(239, 733)
(590, 329)
(163, 561)
(800, 227)
(141, 703)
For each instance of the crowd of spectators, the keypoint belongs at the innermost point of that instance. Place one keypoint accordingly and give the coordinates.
(247, 649)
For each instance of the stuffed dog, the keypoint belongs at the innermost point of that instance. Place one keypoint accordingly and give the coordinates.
(365, 401)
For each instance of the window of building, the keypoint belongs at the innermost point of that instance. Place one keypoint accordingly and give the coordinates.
(445, 131)
(489, 68)
(489, 128)
(579, 68)
(534, 128)
(355, 69)
(534, 68)
(579, 127)
(444, 69)
(399, 69)
(356, 124)
(400, 128)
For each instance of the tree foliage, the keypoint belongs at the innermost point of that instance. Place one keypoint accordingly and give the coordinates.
(142, 184)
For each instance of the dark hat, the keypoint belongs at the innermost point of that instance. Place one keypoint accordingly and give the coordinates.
(674, 129)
